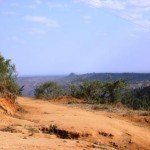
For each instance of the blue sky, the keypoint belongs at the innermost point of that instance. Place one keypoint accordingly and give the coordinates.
(61, 36)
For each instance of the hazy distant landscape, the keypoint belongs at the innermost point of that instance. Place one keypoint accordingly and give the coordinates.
(31, 82)
(134, 80)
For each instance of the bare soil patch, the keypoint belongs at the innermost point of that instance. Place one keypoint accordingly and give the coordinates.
(46, 125)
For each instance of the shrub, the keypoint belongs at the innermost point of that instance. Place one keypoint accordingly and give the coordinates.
(48, 90)
(114, 90)
(96, 91)
(8, 77)
(88, 90)
(137, 98)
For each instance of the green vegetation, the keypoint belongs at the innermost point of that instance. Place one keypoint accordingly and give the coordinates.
(137, 98)
(112, 92)
(8, 77)
(99, 92)
(94, 92)
(48, 90)
(90, 90)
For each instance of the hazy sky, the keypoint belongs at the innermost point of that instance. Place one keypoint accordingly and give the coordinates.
(63, 36)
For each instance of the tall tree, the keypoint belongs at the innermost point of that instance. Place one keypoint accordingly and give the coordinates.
(8, 76)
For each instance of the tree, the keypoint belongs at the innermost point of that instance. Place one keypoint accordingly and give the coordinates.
(8, 76)
(137, 98)
(48, 90)
(91, 91)
(99, 92)
(114, 89)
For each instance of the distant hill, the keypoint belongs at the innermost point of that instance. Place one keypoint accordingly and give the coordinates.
(30, 83)
(129, 77)
(133, 79)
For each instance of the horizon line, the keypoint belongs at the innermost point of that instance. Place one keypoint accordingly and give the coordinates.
(37, 75)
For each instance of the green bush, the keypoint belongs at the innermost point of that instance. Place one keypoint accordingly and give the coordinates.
(8, 77)
(48, 90)
(96, 91)
(137, 98)
(114, 90)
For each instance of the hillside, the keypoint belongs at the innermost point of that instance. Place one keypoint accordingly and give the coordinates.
(134, 80)
(71, 128)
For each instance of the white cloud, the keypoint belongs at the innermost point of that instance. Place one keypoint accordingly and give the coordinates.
(113, 4)
(139, 3)
(50, 4)
(38, 2)
(117, 4)
(137, 19)
(57, 5)
(131, 10)
(42, 20)
(35, 4)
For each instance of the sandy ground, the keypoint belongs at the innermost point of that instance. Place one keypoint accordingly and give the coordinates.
(97, 130)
